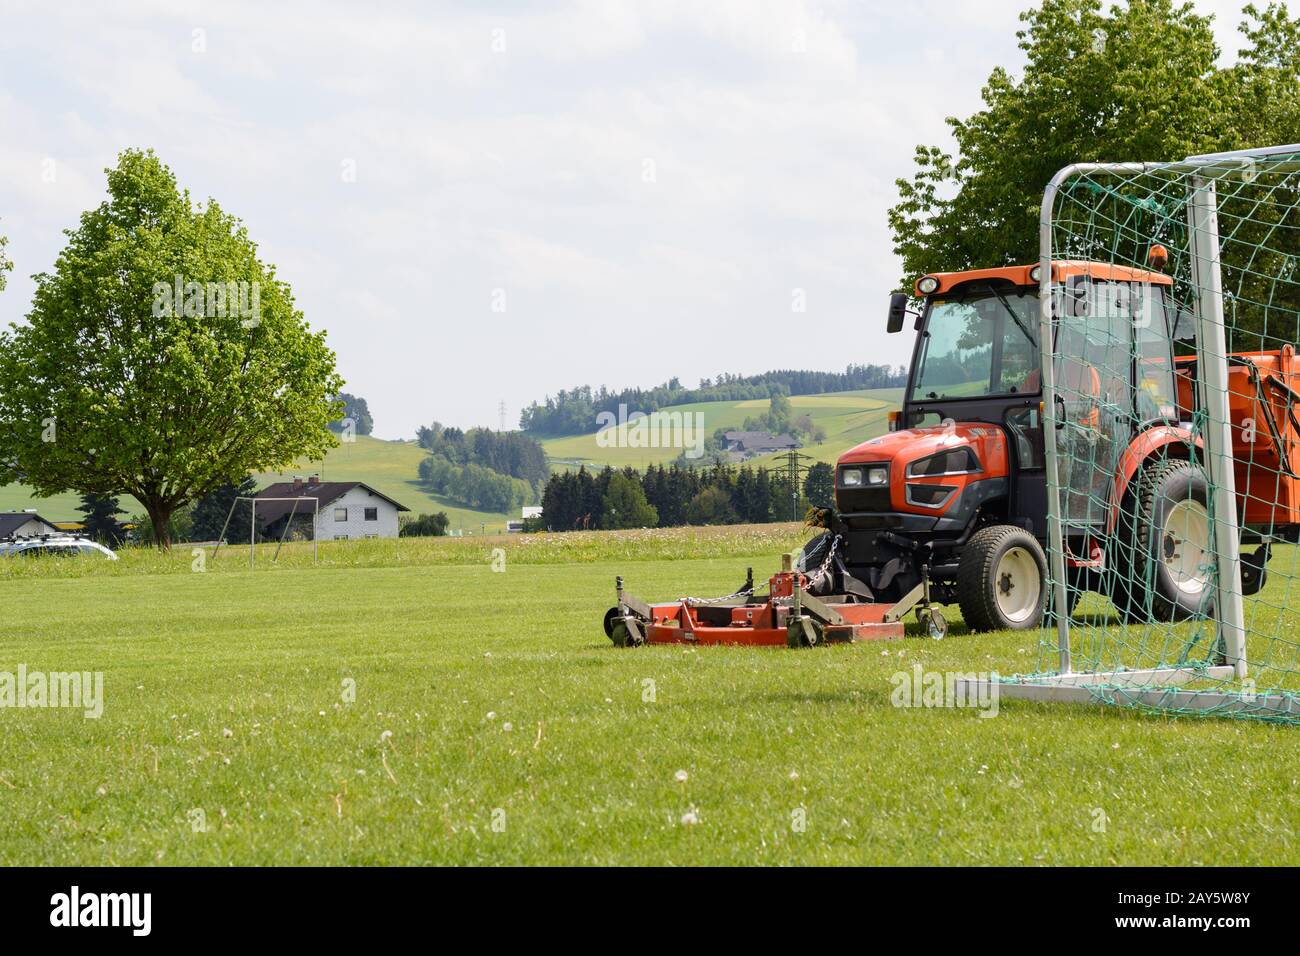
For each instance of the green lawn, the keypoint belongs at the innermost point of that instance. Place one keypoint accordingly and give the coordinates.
(483, 696)
(848, 418)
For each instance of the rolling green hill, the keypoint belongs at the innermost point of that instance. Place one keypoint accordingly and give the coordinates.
(390, 467)
(847, 417)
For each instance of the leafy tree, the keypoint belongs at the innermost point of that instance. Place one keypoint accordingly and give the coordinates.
(1130, 82)
(122, 383)
(355, 409)
(211, 511)
(711, 506)
(625, 505)
(819, 485)
(101, 522)
(425, 526)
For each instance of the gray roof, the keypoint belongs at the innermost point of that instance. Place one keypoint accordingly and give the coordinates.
(756, 440)
(11, 521)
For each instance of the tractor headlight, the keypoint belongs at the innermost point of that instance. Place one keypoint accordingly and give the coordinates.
(865, 476)
(927, 285)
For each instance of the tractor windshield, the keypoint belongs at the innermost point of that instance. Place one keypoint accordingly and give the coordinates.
(979, 341)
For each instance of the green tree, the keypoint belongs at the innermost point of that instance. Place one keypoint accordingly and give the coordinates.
(425, 526)
(213, 509)
(356, 410)
(711, 506)
(819, 485)
(100, 523)
(625, 505)
(1129, 82)
(135, 375)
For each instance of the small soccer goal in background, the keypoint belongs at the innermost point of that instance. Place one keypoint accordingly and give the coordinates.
(275, 511)
(1170, 313)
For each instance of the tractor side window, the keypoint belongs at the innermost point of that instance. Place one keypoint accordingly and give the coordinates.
(1157, 392)
(1027, 435)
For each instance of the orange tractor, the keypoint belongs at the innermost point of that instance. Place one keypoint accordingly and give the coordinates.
(950, 505)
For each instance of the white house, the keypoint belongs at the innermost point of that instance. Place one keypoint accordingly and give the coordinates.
(24, 523)
(347, 509)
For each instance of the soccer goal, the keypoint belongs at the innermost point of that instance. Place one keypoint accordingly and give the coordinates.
(273, 511)
(1170, 313)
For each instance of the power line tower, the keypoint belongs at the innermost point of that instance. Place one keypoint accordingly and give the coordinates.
(501, 413)
(794, 470)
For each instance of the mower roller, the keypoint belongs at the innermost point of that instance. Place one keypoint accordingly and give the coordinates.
(798, 610)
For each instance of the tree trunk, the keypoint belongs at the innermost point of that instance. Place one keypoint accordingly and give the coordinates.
(160, 517)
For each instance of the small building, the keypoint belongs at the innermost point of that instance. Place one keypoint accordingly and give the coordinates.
(741, 445)
(347, 510)
(24, 523)
(517, 525)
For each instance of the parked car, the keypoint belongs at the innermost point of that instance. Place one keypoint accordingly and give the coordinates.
(48, 545)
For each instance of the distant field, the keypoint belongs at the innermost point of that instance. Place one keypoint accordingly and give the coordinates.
(847, 417)
(388, 466)
(391, 467)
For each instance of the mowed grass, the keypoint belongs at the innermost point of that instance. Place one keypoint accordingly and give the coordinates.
(848, 418)
(485, 696)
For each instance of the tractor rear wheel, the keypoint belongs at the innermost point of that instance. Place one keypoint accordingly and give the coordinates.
(1171, 574)
(1000, 580)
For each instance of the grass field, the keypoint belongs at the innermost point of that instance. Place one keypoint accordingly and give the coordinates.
(485, 697)
(848, 418)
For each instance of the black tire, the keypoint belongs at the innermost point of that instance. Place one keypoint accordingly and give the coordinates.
(814, 552)
(1162, 581)
(982, 577)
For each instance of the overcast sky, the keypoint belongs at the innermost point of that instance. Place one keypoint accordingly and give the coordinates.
(645, 189)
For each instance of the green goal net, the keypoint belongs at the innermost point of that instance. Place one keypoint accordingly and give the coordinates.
(1170, 312)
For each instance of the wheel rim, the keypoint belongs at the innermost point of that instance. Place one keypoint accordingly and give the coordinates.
(1185, 545)
(1016, 585)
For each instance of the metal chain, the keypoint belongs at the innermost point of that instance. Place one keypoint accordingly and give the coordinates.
(816, 577)
(813, 579)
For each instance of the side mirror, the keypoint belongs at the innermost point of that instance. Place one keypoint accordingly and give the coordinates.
(897, 311)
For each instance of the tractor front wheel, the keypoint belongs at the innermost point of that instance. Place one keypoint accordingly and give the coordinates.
(1000, 580)
(1171, 573)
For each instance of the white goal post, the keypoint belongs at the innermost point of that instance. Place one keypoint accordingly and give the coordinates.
(252, 532)
(1156, 670)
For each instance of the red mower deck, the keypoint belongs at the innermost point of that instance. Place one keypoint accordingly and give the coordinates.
(786, 616)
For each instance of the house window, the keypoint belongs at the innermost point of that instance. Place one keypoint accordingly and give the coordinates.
(340, 514)
(340, 537)
(372, 514)
(372, 536)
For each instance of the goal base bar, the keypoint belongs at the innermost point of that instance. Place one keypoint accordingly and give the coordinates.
(1154, 687)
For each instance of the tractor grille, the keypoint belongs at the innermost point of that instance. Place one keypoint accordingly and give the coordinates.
(851, 500)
